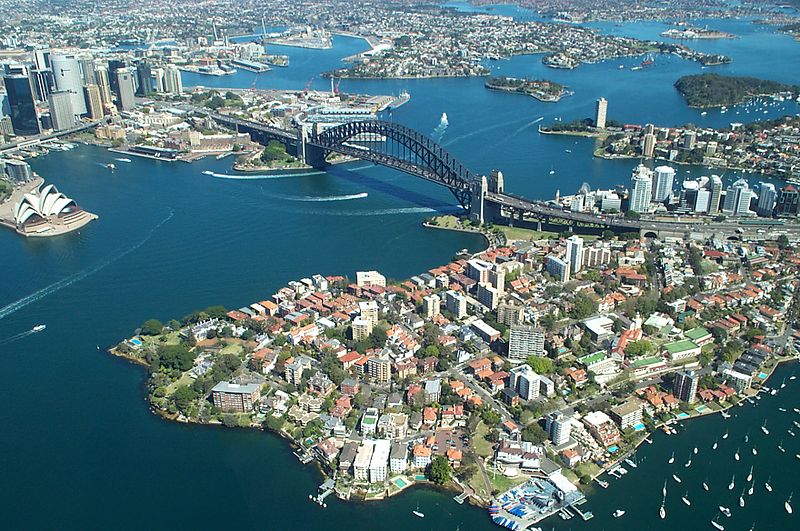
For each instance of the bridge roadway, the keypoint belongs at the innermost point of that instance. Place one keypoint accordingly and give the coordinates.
(232, 121)
(40, 139)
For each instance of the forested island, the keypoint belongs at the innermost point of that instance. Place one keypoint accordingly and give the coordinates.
(541, 89)
(714, 90)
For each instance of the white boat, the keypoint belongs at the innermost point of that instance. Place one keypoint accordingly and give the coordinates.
(122, 159)
(796, 410)
(662, 512)
(717, 524)
(672, 458)
(208, 172)
(732, 483)
(417, 513)
(38, 328)
(750, 474)
(793, 377)
(705, 486)
(788, 504)
(783, 383)
(725, 435)
(790, 432)
(736, 455)
(714, 446)
(780, 447)
(754, 450)
(695, 450)
(685, 499)
(664, 489)
(768, 486)
(688, 464)
(782, 409)
(747, 437)
(773, 393)
(764, 428)
(751, 489)
(618, 513)
(676, 478)
(111, 166)
(741, 499)
(725, 511)
(703, 113)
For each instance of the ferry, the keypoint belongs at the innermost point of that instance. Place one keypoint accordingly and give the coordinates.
(732, 483)
(38, 328)
(724, 510)
(618, 513)
(717, 524)
(676, 478)
(764, 428)
(788, 504)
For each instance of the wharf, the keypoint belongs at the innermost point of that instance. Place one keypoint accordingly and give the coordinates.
(325, 490)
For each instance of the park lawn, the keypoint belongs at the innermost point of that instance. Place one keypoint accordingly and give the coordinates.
(185, 379)
(449, 222)
(517, 233)
(479, 444)
(235, 349)
(502, 483)
(589, 468)
(476, 482)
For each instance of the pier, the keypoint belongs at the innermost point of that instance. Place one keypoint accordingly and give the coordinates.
(325, 490)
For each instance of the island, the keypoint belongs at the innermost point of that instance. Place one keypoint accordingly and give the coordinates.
(541, 89)
(714, 90)
(690, 33)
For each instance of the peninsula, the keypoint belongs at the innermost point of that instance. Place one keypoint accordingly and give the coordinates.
(714, 90)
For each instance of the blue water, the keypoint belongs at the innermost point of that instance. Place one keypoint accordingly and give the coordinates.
(79, 448)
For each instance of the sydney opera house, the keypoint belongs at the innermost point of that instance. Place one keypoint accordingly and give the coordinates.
(48, 212)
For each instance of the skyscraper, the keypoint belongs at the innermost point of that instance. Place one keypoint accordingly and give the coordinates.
(87, 69)
(716, 194)
(172, 80)
(601, 108)
(685, 386)
(144, 74)
(662, 187)
(649, 145)
(24, 119)
(737, 199)
(641, 186)
(788, 201)
(61, 113)
(104, 85)
(158, 80)
(688, 139)
(113, 66)
(558, 427)
(67, 77)
(574, 253)
(767, 197)
(125, 89)
(42, 82)
(94, 103)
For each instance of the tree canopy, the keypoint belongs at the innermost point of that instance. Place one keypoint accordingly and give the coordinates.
(175, 357)
(440, 471)
(152, 327)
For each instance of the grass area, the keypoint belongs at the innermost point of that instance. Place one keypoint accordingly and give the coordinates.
(185, 379)
(501, 483)
(476, 483)
(707, 266)
(587, 468)
(449, 222)
(517, 233)
(236, 349)
(480, 445)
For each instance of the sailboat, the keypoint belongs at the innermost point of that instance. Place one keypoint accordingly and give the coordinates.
(764, 428)
(417, 513)
(732, 483)
(752, 487)
(676, 478)
(736, 455)
(780, 447)
(664, 490)
(695, 450)
(705, 485)
(750, 474)
(767, 485)
(717, 524)
(783, 383)
(672, 458)
(689, 462)
(741, 499)
(685, 499)
(788, 504)
(747, 436)
(725, 435)
(754, 450)
(714, 446)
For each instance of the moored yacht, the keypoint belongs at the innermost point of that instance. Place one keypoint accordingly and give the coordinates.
(732, 483)
(618, 513)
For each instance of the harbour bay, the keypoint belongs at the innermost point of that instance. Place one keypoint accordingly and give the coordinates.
(170, 240)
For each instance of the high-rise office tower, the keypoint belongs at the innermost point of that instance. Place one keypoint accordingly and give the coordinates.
(172, 80)
(67, 77)
(663, 178)
(104, 85)
(42, 82)
(716, 194)
(158, 80)
(113, 66)
(649, 145)
(737, 199)
(641, 186)
(94, 103)
(788, 201)
(144, 74)
(685, 386)
(61, 113)
(125, 89)
(87, 70)
(22, 106)
(601, 108)
(767, 198)
(574, 253)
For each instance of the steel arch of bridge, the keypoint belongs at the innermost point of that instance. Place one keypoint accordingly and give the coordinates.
(403, 149)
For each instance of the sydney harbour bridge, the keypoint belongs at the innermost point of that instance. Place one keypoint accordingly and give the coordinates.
(482, 197)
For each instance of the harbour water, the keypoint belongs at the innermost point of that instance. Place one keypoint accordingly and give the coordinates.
(80, 450)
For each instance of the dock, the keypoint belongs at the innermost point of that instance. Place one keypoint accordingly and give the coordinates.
(325, 490)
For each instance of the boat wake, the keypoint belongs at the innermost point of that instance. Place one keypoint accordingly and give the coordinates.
(440, 129)
(257, 177)
(15, 306)
(312, 199)
(381, 212)
(481, 130)
(17, 337)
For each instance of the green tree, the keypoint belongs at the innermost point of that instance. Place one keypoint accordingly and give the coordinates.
(783, 241)
(639, 348)
(183, 396)
(534, 434)
(175, 357)
(152, 327)
(583, 306)
(440, 471)
(541, 364)
(632, 214)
